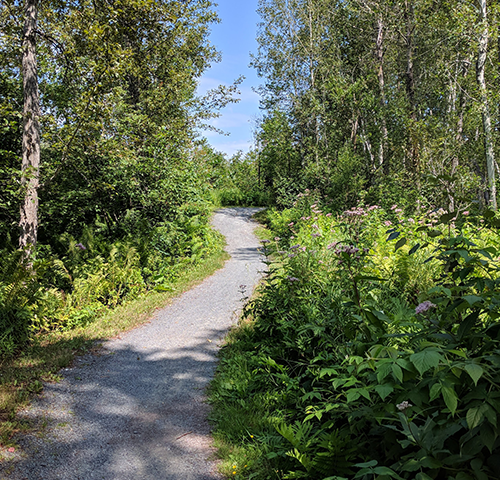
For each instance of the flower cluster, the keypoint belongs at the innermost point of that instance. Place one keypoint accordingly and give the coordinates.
(349, 249)
(424, 306)
(403, 406)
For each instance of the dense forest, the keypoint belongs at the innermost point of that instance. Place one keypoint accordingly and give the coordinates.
(371, 349)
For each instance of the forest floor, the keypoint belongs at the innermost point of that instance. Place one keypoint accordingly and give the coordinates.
(136, 409)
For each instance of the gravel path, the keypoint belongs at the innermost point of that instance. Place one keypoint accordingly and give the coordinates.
(136, 411)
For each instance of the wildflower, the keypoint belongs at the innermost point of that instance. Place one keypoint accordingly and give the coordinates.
(410, 220)
(387, 223)
(291, 224)
(332, 245)
(291, 255)
(398, 210)
(80, 246)
(394, 207)
(292, 279)
(424, 306)
(466, 213)
(303, 249)
(314, 226)
(321, 262)
(316, 235)
(277, 239)
(293, 247)
(403, 406)
(265, 241)
(292, 238)
(328, 215)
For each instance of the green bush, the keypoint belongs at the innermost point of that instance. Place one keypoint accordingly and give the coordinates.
(373, 351)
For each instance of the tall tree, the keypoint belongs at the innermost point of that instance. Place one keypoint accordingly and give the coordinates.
(485, 109)
(31, 131)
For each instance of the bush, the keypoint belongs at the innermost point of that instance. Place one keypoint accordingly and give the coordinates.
(374, 349)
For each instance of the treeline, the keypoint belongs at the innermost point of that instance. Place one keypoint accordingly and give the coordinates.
(384, 101)
(105, 186)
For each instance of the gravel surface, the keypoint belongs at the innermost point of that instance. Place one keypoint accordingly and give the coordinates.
(136, 410)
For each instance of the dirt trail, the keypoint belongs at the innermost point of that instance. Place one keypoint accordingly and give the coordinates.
(137, 411)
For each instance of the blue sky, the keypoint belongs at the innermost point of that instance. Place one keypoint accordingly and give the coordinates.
(234, 37)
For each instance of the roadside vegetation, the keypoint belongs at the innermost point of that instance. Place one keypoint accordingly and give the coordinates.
(369, 351)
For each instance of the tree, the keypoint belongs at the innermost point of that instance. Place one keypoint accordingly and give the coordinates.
(31, 132)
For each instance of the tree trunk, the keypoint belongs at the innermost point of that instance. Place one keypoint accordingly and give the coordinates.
(379, 52)
(31, 133)
(410, 85)
(485, 111)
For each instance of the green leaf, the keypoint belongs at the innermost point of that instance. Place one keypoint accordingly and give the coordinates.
(352, 395)
(472, 299)
(397, 372)
(434, 233)
(384, 390)
(488, 436)
(422, 476)
(467, 324)
(450, 398)
(386, 471)
(475, 415)
(426, 359)
(463, 476)
(414, 249)
(371, 463)
(393, 236)
(435, 391)
(400, 243)
(475, 371)
(445, 218)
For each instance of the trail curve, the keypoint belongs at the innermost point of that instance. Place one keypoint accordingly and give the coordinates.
(136, 411)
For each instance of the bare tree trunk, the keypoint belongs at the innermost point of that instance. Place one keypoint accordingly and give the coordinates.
(31, 132)
(488, 139)
(410, 84)
(379, 52)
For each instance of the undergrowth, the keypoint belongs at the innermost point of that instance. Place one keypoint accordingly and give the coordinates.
(50, 349)
(371, 351)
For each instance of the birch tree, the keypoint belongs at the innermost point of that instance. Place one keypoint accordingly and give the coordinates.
(31, 132)
(485, 109)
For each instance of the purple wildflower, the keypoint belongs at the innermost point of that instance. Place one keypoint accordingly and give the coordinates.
(424, 306)
(80, 246)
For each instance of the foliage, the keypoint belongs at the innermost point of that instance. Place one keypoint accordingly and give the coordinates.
(373, 348)
(352, 109)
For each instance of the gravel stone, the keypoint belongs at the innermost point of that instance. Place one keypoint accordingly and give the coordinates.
(137, 410)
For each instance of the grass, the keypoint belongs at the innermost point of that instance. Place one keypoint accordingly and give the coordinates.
(21, 376)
